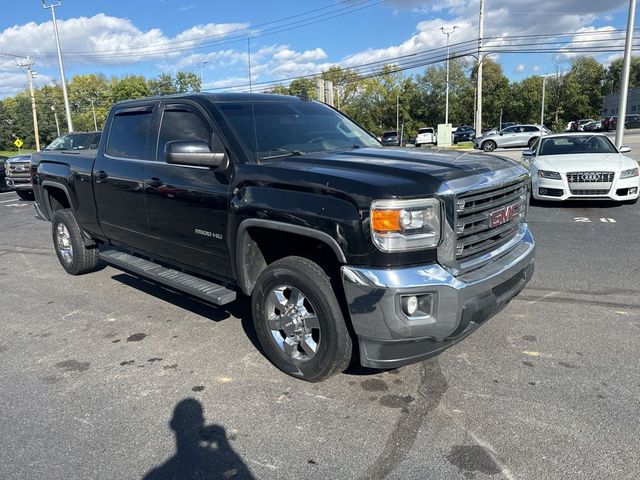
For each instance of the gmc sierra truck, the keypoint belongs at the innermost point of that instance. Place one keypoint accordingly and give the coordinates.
(337, 240)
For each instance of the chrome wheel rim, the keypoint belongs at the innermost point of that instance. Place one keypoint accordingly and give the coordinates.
(63, 240)
(293, 322)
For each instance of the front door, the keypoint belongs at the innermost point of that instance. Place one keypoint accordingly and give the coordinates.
(187, 206)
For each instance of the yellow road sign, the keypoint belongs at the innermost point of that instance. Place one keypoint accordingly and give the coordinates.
(18, 143)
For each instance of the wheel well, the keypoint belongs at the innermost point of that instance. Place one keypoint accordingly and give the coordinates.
(263, 246)
(57, 199)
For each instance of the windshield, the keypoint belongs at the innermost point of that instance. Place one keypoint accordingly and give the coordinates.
(576, 145)
(278, 129)
(389, 135)
(74, 141)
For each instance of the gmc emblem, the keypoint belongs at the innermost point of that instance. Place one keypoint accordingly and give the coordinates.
(502, 216)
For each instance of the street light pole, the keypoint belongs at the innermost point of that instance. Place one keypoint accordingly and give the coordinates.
(479, 90)
(202, 64)
(93, 109)
(626, 68)
(67, 109)
(544, 86)
(28, 63)
(446, 110)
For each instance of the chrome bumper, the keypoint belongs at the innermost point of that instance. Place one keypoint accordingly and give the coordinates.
(388, 338)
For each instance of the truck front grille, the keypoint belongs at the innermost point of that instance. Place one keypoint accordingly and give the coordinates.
(19, 169)
(487, 219)
(591, 192)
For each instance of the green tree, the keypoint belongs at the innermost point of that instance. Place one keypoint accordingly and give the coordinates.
(495, 90)
(187, 82)
(129, 87)
(162, 85)
(89, 93)
(613, 75)
(583, 87)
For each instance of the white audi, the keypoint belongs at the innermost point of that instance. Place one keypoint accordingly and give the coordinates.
(582, 166)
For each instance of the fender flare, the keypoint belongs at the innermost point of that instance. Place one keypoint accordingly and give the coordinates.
(241, 245)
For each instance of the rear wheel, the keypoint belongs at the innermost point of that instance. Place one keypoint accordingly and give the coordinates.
(489, 146)
(298, 320)
(74, 256)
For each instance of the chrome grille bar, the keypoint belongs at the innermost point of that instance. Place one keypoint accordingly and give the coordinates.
(590, 177)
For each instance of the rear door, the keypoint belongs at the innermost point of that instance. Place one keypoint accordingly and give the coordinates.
(120, 171)
(187, 206)
(508, 137)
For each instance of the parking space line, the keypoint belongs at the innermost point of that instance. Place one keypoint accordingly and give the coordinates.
(7, 201)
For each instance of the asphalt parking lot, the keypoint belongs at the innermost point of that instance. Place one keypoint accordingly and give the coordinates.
(108, 376)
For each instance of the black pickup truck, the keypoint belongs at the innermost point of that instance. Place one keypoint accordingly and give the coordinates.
(338, 240)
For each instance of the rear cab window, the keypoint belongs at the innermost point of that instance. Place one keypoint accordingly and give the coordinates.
(131, 133)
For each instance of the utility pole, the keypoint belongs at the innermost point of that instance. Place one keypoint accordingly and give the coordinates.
(544, 86)
(67, 109)
(55, 116)
(626, 68)
(446, 110)
(479, 90)
(249, 63)
(398, 113)
(93, 109)
(28, 63)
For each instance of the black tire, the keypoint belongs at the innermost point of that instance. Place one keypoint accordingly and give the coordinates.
(489, 146)
(25, 194)
(273, 328)
(74, 257)
(418, 145)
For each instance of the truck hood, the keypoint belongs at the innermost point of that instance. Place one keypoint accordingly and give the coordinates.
(392, 172)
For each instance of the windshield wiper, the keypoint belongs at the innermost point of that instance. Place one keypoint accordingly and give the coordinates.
(285, 153)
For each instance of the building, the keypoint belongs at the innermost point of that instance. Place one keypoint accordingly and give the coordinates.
(610, 103)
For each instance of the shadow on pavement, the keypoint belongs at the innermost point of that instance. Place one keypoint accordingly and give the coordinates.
(202, 451)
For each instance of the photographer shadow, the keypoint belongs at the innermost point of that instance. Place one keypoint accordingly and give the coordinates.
(202, 451)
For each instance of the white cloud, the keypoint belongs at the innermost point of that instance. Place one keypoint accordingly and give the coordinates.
(519, 68)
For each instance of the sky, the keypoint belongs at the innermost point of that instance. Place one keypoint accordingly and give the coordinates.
(284, 39)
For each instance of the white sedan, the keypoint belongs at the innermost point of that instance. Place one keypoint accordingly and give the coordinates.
(582, 166)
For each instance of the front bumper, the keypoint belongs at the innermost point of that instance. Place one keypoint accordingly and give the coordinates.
(19, 183)
(389, 339)
(559, 190)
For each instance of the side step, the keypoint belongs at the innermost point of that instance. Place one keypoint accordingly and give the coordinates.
(184, 282)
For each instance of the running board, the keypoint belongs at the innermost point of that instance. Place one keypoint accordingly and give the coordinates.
(184, 282)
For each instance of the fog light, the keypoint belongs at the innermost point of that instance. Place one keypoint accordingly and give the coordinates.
(633, 191)
(543, 191)
(410, 305)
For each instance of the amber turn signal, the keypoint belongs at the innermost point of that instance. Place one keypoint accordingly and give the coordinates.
(386, 220)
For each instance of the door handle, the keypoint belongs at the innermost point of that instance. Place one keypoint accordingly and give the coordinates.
(101, 176)
(154, 182)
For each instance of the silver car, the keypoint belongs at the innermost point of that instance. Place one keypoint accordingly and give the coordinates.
(514, 136)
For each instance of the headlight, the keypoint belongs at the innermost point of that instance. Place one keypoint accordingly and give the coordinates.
(549, 174)
(632, 172)
(403, 225)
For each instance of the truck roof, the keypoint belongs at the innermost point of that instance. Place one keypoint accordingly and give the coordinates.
(220, 97)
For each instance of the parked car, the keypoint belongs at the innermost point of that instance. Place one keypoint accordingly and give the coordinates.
(594, 126)
(578, 125)
(466, 133)
(515, 136)
(425, 135)
(630, 121)
(390, 139)
(18, 175)
(76, 141)
(342, 245)
(582, 166)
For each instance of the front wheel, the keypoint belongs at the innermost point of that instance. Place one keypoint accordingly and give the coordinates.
(489, 146)
(298, 320)
(74, 257)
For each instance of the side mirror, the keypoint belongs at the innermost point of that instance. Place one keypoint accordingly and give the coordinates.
(194, 153)
(528, 153)
(501, 133)
(624, 149)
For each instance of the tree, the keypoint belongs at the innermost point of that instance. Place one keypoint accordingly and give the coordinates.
(162, 85)
(613, 75)
(187, 82)
(129, 87)
(495, 90)
(345, 85)
(583, 89)
(86, 94)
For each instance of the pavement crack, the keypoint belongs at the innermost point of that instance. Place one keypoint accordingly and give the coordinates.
(431, 389)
